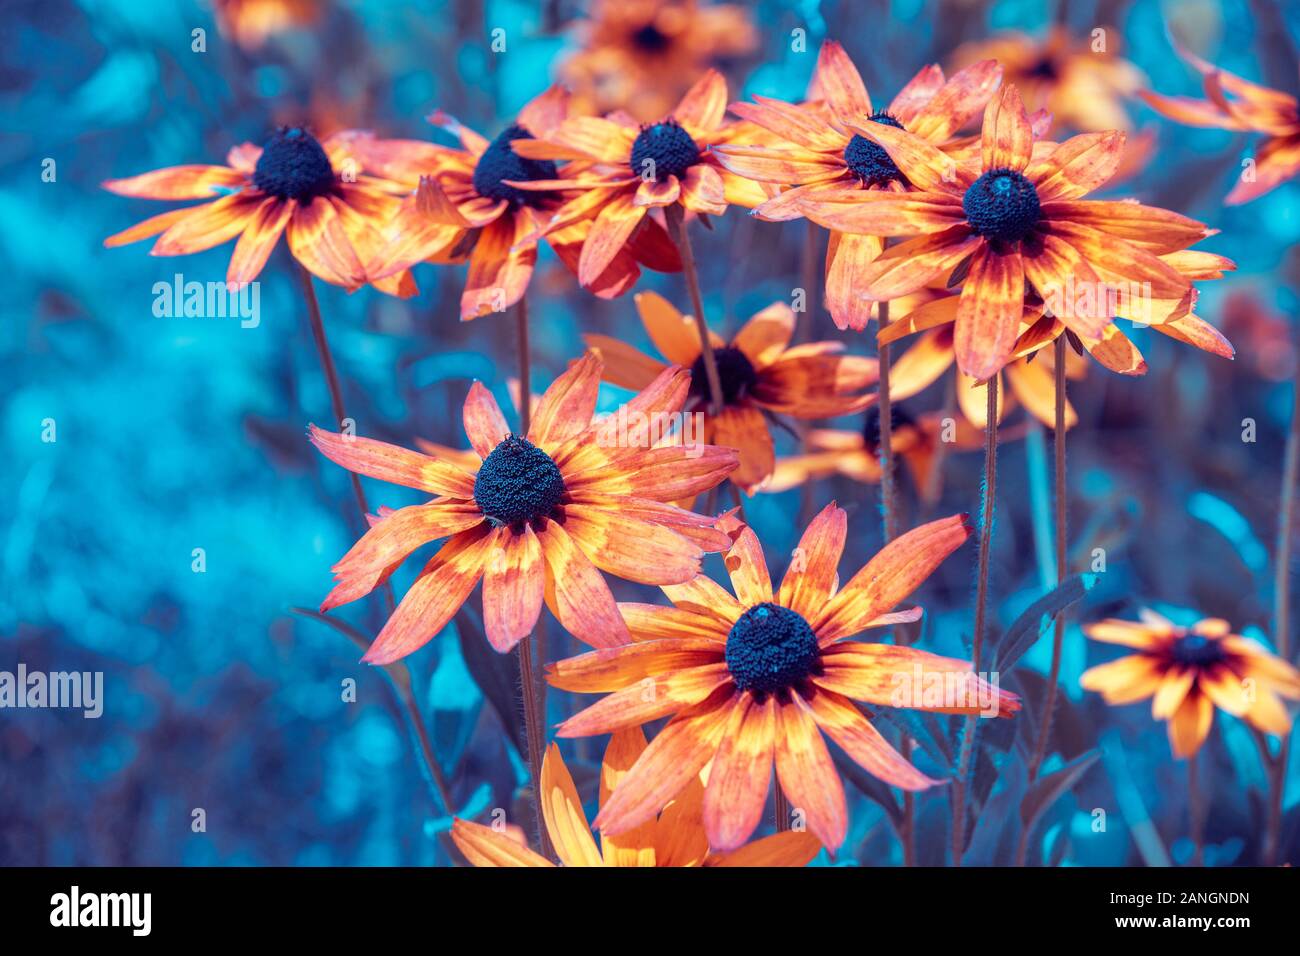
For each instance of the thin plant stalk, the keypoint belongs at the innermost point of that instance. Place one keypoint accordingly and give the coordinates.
(677, 229)
(1282, 616)
(534, 703)
(802, 333)
(1059, 533)
(981, 605)
(886, 410)
(336, 400)
(1196, 811)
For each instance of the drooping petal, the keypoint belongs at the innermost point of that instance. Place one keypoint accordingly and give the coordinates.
(743, 428)
(258, 240)
(988, 316)
(514, 583)
(847, 257)
(806, 773)
(318, 240)
(500, 267)
(846, 725)
(576, 592)
(741, 772)
(636, 847)
(562, 809)
(669, 764)
(209, 225)
(437, 594)
(1189, 727)
(911, 264)
(609, 234)
(1124, 680)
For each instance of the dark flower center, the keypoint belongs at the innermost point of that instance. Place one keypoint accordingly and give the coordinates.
(500, 162)
(663, 150)
(1195, 650)
(518, 483)
(1002, 204)
(735, 372)
(650, 38)
(771, 648)
(898, 420)
(293, 165)
(868, 160)
(1044, 69)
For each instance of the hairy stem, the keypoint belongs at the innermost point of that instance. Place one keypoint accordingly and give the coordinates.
(981, 605)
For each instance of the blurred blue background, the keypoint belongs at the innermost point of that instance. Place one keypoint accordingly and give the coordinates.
(177, 434)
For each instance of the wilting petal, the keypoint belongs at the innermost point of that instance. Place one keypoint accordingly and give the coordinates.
(1111, 256)
(1068, 285)
(654, 622)
(703, 191)
(669, 764)
(741, 772)
(845, 724)
(671, 473)
(377, 459)
(706, 597)
(906, 106)
(435, 597)
(514, 583)
(766, 164)
(893, 574)
(658, 192)
(209, 225)
(748, 570)
(562, 809)
(484, 846)
(577, 594)
(258, 240)
(500, 268)
(149, 227)
(806, 773)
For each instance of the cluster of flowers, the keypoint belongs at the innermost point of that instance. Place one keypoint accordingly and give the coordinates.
(980, 243)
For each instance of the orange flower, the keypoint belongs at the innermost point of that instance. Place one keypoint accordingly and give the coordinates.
(759, 677)
(315, 193)
(1252, 109)
(675, 838)
(1190, 671)
(820, 151)
(252, 22)
(856, 454)
(641, 55)
(631, 170)
(1018, 217)
(537, 520)
(1082, 83)
(760, 373)
(468, 203)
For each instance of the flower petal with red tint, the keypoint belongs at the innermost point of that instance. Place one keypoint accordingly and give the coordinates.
(577, 593)
(741, 773)
(514, 584)
(392, 463)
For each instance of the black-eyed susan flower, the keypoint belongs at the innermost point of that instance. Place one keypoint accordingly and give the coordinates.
(675, 837)
(541, 517)
(1234, 103)
(470, 204)
(632, 170)
(1019, 219)
(1188, 672)
(318, 195)
(760, 375)
(757, 678)
(640, 56)
(815, 148)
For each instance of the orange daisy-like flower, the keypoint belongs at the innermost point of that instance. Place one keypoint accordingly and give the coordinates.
(538, 518)
(674, 838)
(252, 22)
(822, 151)
(317, 194)
(760, 374)
(1188, 671)
(641, 55)
(1018, 217)
(630, 170)
(856, 454)
(470, 203)
(757, 678)
(1234, 103)
(1082, 83)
